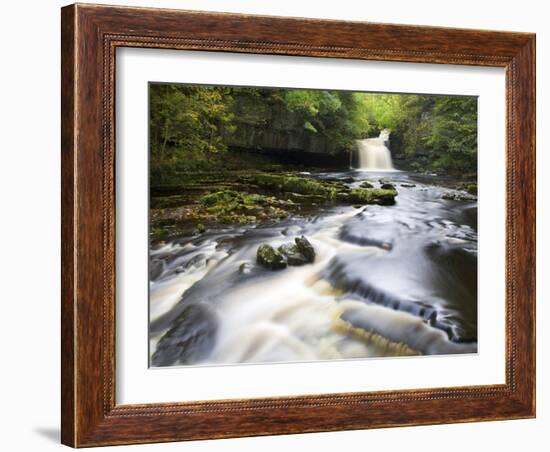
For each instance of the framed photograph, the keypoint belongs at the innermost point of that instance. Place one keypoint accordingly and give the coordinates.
(281, 225)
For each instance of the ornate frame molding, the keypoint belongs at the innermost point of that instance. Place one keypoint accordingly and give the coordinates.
(90, 36)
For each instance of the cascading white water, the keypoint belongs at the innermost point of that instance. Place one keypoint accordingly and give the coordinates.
(298, 314)
(373, 153)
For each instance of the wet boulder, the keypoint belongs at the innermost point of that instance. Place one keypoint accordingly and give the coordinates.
(382, 197)
(156, 268)
(305, 248)
(408, 185)
(387, 186)
(366, 184)
(301, 252)
(189, 339)
(292, 256)
(245, 268)
(458, 196)
(270, 258)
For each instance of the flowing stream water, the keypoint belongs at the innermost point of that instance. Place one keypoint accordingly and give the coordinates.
(386, 281)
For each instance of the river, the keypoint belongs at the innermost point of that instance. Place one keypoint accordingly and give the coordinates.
(386, 281)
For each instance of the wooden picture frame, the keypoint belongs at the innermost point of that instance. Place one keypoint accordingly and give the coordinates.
(90, 36)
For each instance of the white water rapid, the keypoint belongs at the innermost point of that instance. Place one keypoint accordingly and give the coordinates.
(386, 281)
(373, 153)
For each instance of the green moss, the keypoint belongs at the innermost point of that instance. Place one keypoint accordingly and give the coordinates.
(269, 257)
(239, 204)
(296, 184)
(327, 191)
(219, 198)
(470, 187)
(157, 234)
(383, 197)
(233, 207)
(305, 248)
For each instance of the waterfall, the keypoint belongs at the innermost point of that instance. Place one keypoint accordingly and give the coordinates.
(374, 154)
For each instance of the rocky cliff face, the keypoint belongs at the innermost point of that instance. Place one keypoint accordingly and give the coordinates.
(283, 139)
(272, 127)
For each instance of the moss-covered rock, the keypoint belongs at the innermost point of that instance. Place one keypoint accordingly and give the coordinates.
(305, 248)
(292, 255)
(387, 186)
(470, 187)
(234, 207)
(295, 184)
(458, 196)
(245, 268)
(269, 257)
(328, 191)
(366, 184)
(382, 197)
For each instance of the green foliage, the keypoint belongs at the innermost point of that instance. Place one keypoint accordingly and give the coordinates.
(189, 124)
(381, 196)
(230, 206)
(453, 137)
(440, 132)
(186, 121)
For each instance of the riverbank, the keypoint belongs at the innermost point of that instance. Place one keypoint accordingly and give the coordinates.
(255, 189)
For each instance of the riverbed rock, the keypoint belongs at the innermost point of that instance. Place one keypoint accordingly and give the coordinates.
(270, 258)
(407, 185)
(458, 196)
(292, 255)
(156, 267)
(382, 197)
(245, 268)
(366, 184)
(305, 248)
(189, 339)
(470, 187)
(387, 186)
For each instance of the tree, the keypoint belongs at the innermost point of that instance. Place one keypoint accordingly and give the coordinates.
(453, 137)
(187, 120)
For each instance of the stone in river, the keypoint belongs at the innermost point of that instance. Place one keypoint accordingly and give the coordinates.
(245, 268)
(305, 248)
(458, 196)
(270, 258)
(189, 339)
(292, 255)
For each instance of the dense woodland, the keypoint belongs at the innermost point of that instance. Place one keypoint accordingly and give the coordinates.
(197, 128)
